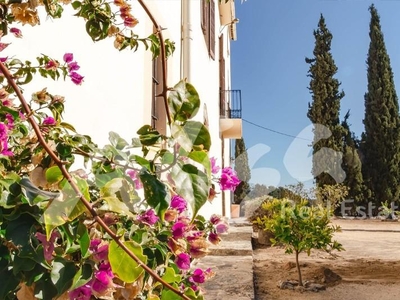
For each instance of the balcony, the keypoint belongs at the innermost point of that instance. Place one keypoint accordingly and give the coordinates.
(230, 123)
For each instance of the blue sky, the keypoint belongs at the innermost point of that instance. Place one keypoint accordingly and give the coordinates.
(268, 66)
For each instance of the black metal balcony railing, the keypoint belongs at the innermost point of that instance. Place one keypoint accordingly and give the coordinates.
(230, 104)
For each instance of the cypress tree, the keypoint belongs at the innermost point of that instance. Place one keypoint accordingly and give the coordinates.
(352, 163)
(243, 171)
(324, 110)
(381, 140)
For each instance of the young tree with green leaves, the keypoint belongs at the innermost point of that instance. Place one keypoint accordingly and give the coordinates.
(299, 227)
(324, 110)
(381, 140)
(243, 171)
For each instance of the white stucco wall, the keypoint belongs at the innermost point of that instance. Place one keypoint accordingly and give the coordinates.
(116, 93)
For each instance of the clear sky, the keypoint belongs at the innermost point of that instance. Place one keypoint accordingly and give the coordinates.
(268, 66)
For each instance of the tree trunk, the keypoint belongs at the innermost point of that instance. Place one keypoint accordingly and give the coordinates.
(298, 268)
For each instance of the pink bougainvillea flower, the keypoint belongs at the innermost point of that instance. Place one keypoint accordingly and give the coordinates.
(68, 57)
(73, 66)
(215, 219)
(148, 217)
(48, 245)
(49, 121)
(183, 261)
(178, 203)
(76, 78)
(102, 280)
(214, 238)
(83, 292)
(198, 276)
(221, 228)
(130, 21)
(16, 32)
(52, 65)
(99, 250)
(10, 121)
(3, 59)
(3, 46)
(4, 149)
(178, 230)
(135, 178)
(214, 168)
(229, 180)
(198, 248)
(3, 132)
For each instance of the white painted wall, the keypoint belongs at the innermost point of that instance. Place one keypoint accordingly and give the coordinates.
(116, 93)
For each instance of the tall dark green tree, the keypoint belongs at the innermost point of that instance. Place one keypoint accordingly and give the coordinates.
(352, 163)
(324, 110)
(381, 140)
(243, 171)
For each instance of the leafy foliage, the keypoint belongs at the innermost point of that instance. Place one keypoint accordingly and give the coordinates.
(299, 227)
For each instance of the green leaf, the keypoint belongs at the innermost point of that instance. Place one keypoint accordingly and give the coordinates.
(122, 264)
(54, 174)
(193, 135)
(68, 126)
(84, 240)
(115, 205)
(67, 209)
(148, 136)
(183, 101)
(155, 192)
(83, 276)
(192, 184)
(170, 276)
(117, 141)
(62, 274)
(202, 158)
(9, 283)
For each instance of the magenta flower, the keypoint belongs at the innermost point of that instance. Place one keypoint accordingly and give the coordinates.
(99, 250)
(214, 168)
(183, 261)
(149, 217)
(16, 32)
(3, 59)
(73, 66)
(135, 178)
(198, 276)
(10, 121)
(49, 121)
(76, 78)
(103, 279)
(3, 132)
(178, 230)
(221, 227)
(4, 149)
(178, 203)
(229, 180)
(83, 292)
(215, 219)
(48, 245)
(214, 238)
(68, 57)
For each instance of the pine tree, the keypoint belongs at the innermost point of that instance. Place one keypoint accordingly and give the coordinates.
(243, 171)
(381, 140)
(352, 163)
(324, 110)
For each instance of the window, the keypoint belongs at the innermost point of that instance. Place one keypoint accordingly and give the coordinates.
(158, 113)
(208, 25)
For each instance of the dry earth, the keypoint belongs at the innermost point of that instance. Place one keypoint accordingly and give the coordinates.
(369, 268)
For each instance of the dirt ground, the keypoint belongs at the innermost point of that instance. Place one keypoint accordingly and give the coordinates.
(369, 269)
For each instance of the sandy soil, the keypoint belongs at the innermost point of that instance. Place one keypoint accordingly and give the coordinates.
(369, 268)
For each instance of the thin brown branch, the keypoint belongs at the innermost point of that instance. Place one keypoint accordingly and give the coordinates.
(164, 92)
(69, 178)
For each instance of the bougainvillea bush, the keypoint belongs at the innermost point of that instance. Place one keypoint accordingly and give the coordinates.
(125, 224)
